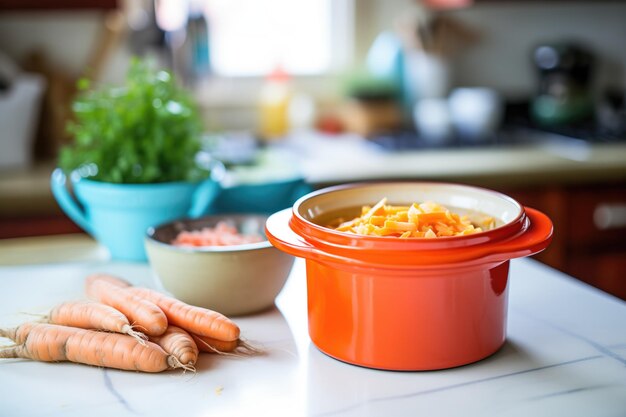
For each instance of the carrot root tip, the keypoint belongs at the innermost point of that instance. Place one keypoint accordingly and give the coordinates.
(244, 348)
(141, 338)
(9, 352)
(8, 333)
(174, 363)
(42, 317)
(247, 348)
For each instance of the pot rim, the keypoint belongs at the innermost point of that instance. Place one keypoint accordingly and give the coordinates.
(329, 238)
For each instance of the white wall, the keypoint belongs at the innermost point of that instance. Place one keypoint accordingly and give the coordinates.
(510, 30)
(65, 37)
(68, 39)
(501, 59)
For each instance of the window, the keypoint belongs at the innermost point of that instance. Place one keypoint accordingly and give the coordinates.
(254, 37)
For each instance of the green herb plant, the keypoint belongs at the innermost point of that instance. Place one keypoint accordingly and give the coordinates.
(146, 131)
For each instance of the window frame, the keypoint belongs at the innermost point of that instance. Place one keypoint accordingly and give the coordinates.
(217, 90)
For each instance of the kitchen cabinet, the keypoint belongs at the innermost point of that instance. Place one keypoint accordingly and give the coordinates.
(589, 230)
(37, 225)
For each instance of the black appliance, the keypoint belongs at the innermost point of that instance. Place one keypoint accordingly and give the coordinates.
(564, 96)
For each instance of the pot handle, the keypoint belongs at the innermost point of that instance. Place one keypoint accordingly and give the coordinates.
(58, 184)
(282, 237)
(533, 240)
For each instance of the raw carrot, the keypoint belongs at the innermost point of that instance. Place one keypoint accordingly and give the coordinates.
(92, 315)
(143, 314)
(54, 343)
(179, 344)
(237, 347)
(193, 319)
(111, 279)
(211, 345)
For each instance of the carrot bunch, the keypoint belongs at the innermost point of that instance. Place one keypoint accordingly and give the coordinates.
(125, 327)
(425, 220)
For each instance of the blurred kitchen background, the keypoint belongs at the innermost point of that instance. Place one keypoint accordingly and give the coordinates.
(526, 97)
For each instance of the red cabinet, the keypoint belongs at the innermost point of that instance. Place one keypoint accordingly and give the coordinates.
(589, 231)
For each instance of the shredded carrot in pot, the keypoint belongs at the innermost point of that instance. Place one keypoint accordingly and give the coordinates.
(426, 220)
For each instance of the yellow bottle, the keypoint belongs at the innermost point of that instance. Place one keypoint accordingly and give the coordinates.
(274, 106)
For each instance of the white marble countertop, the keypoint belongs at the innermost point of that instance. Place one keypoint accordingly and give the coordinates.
(565, 356)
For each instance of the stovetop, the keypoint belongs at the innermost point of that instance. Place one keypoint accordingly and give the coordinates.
(508, 136)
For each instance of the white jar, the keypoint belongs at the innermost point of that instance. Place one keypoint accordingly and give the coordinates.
(475, 113)
(432, 120)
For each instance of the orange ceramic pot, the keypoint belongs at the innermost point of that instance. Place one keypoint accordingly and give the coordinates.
(408, 304)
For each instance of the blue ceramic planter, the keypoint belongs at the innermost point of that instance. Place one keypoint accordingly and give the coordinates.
(264, 198)
(118, 215)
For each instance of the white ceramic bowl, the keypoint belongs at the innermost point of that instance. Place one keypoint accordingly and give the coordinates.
(476, 112)
(233, 280)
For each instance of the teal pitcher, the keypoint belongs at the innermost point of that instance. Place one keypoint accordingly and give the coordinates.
(118, 215)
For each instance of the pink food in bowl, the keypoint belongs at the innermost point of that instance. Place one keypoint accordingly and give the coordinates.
(222, 234)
